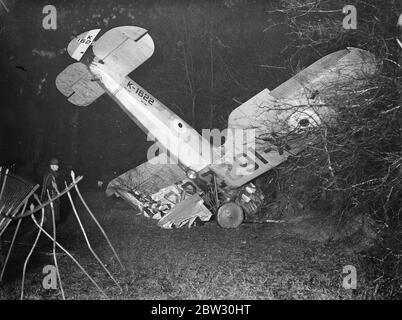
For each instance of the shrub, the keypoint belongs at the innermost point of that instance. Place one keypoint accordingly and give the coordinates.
(355, 166)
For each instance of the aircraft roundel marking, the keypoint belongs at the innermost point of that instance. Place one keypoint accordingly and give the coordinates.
(178, 126)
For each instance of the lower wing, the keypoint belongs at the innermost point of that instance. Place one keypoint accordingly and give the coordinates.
(156, 189)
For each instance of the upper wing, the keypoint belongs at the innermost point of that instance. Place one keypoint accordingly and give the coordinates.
(246, 152)
(161, 189)
(300, 102)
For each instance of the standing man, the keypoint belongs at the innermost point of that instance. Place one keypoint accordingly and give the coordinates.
(50, 185)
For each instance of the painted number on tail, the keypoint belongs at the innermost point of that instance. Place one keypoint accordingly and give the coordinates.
(88, 40)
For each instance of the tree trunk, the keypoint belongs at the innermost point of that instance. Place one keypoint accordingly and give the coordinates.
(74, 123)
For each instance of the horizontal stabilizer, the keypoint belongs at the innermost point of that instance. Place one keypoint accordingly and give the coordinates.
(124, 49)
(78, 85)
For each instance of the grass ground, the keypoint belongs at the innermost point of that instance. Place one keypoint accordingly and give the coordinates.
(255, 261)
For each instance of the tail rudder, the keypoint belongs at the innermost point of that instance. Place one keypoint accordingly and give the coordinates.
(80, 44)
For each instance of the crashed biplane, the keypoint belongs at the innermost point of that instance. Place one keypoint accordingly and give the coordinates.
(198, 183)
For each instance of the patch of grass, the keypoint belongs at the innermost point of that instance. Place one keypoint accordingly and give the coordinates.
(207, 262)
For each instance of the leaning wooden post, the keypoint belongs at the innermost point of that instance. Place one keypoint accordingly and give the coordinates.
(72, 258)
(12, 243)
(54, 247)
(89, 244)
(96, 221)
(30, 252)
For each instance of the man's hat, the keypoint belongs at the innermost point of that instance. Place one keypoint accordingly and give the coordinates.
(54, 161)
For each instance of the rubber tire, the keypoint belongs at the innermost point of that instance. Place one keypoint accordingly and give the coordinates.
(230, 215)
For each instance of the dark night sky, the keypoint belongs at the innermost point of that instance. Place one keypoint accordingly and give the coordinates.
(35, 119)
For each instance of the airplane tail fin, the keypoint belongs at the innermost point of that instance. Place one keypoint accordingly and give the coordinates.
(120, 51)
(80, 44)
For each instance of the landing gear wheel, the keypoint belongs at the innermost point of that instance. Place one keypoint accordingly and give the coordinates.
(230, 215)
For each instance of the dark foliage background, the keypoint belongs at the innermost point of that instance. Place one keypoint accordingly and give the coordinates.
(353, 174)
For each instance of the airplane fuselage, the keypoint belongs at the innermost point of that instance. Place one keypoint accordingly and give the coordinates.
(183, 143)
